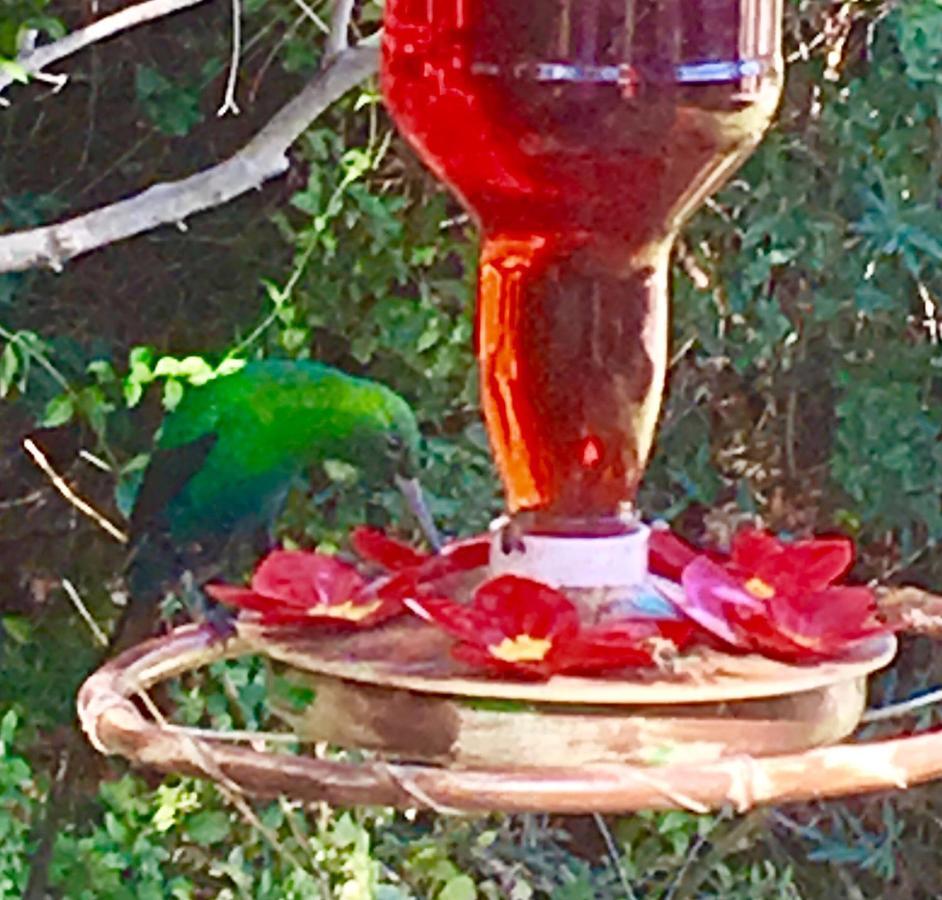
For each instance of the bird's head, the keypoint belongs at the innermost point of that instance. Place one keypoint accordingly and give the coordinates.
(387, 443)
(390, 453)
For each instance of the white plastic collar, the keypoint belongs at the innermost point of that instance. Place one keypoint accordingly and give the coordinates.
(574, 562)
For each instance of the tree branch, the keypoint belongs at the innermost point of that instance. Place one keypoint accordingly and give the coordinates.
(339, 26)
(34, 61)
(262, 158)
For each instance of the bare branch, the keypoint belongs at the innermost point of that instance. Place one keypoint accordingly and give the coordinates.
(34, 61)
(339, 26)
(85, 508)
(313, 16)
(262, 158)
(229, 104)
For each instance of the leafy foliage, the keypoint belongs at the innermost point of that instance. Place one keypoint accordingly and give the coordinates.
(805, 388)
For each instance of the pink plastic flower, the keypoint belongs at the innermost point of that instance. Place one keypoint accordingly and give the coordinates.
(779, 599)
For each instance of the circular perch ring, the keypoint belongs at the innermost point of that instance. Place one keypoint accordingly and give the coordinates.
(115, 725)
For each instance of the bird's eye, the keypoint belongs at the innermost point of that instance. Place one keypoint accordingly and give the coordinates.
(394, 443)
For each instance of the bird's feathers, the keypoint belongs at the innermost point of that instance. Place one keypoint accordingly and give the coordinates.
(230, 450)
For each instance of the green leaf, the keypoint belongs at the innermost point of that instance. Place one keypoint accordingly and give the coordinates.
(230, 366)
(8, 727)
(461, 887)
(19, 628)
(59, 410)
(9, 363)
(194, 367)
(173, 108)
(14, 70)
(133, 391)
(168, 367)
(173, 394)
(208, 827)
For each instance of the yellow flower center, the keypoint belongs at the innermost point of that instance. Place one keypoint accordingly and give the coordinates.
(349, 611)
(522, 648)
(760, 589)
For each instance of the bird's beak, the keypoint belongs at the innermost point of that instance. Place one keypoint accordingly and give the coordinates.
(411, 490)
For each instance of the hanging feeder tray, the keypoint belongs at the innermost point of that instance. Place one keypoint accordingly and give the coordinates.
(720, 730)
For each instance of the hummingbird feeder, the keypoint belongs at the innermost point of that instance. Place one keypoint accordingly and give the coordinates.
(574, 659)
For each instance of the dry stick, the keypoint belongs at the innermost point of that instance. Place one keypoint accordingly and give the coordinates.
(240, 737)
(313, 16)
(36, 60)
(60, 485)
(693, 853)
(201, 754)
(79, 604)
(687, 887)
(26, 500)
(229, 104)
(614, 856)
(262, 158)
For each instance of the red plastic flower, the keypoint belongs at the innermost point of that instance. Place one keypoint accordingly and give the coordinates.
(515, 626)
(376, 546)
(619, 645)
(297, 587)
(779, 599)
(412, 571)
(669, 554)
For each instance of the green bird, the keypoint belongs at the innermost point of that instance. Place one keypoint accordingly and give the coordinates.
(224, 461)
(227, 455)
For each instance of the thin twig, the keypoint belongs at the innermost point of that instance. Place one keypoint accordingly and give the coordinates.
(720, 847)
(34, 61)
(229, 104)
(29, 348)
(82, 609)
(241, 737)
(264, 157)
(60, 485)
(339, 26)
(313, 16)
(26, 500)
(93, 460)
(272, 55)
(693, 852)
(202, 754)
(614, 856)
(895, 710)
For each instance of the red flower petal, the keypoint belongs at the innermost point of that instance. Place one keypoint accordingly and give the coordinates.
(522, 606)
(669, 554)
(301, 579)
(513, 625)
(377, 547)
(760, 635)
(458, 556)
(479, 657)
(801, 566)
(357, 612)
(608, 647)
(832, 617)
(463, 622)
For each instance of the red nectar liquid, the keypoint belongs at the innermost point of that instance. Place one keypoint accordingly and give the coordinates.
(581, 134)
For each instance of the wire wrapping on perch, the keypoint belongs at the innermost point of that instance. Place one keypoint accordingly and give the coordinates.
(115, 725)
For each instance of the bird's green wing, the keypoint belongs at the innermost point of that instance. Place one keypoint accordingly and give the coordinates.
(166, 477)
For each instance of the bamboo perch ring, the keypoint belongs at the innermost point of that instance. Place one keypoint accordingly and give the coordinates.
(114, 724)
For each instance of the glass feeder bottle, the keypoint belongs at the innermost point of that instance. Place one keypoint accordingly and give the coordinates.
(580, 134)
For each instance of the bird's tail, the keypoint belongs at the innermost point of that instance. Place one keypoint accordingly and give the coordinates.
(153, 565)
